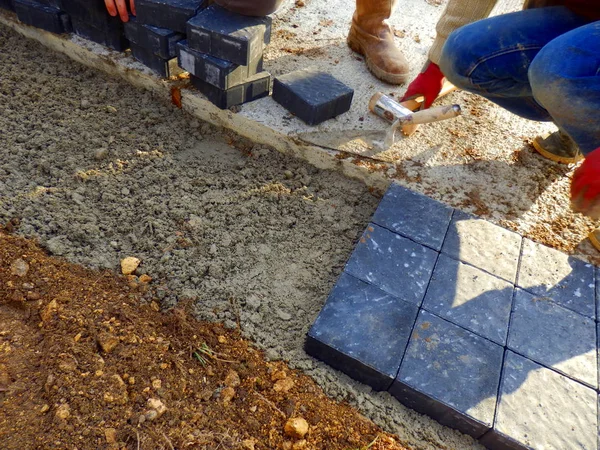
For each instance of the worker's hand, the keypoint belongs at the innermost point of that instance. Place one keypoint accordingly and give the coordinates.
(119, 7)
(585, 186)
(427, 84)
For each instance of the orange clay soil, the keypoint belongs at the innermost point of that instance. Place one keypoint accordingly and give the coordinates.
(85, 364)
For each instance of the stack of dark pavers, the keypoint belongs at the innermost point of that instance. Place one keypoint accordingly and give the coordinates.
(224, 55)
(87, 18)
(158, 27)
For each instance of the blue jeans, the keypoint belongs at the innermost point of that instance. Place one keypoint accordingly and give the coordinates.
(541, 64)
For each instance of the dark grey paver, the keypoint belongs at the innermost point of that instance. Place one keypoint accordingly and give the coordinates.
(255, 87)
(548, 272)
(554, 336)
(112, 35)
(470, 298)
(312, 96)
(393, 263)
(160, 66)
(450, 374)
(414, 215)
(362, 331)
(171, 14)
(93, 14)
(541, 409)
(597, 283)
(215, 71)
(45, 17)
(229, 36)
(160, 41)
(484, 245)
(7, 4)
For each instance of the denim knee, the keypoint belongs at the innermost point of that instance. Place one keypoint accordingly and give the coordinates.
(548, 85)
(455, 60)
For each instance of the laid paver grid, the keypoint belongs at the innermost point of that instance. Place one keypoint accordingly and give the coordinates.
(469, 323)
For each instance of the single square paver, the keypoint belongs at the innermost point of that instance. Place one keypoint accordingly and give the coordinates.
(554, 336)
(484, 245)
(414, 216)
(450, 374)
(541, 409)
(312, 96)
(471, 298)
(362, 331)
(568, 281)
(393, 263)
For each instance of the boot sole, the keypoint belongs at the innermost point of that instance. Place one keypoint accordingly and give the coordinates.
(390, 78)
(556, 158)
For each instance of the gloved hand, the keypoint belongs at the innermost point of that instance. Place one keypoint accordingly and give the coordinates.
(120, 6)
(427, 84)
(585, 186)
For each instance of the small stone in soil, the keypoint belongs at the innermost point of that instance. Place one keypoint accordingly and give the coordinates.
(227, 394)
(63, 412)
(296, 428)
(19, 267)
(232, 379)
(129, 265)
(283, 385)
(107, 342)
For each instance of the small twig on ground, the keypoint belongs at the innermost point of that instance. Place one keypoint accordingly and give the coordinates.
(271, 404)
(138, 439)
(206, 350)
(168, 441)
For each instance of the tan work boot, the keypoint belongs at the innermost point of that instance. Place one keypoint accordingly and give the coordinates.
(372, 37)
(594, 238)
(558, 147)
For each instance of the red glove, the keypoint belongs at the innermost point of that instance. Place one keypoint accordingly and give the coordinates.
(427, 84)
(120, 6)
(585, 187)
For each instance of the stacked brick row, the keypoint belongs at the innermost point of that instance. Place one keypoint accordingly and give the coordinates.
(222, 50)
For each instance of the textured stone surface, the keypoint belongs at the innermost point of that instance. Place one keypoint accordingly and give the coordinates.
(229, 36)
(597, 283)
(312, 96)
(539, 408)
(554, 336)
(171, 14)
(450, 374)
(393, 263)
(46, 17)
(7, 4)
(414, 215)
(484, 245)
(215, 71)
(160, 41)
(253, 88)
(362, 331)
(548, 272)
(111, 35)
(163, 67)
(470, 298)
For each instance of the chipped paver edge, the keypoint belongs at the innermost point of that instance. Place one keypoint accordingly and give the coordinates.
(376, 175)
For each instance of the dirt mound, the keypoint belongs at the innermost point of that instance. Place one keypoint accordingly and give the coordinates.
(84, 365)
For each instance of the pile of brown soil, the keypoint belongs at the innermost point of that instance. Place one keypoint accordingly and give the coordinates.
(87, 363)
